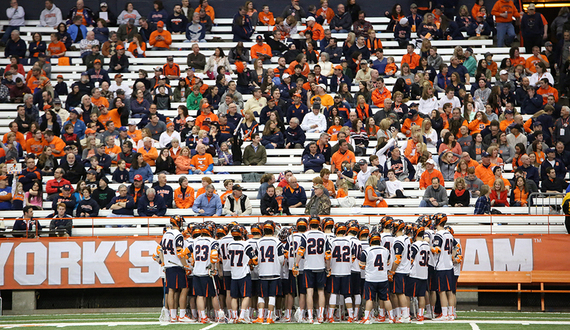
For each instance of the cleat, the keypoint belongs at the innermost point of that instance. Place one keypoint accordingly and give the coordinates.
(287, 320)
(420, 319)
(391, 320)
(270, 321)
(451, 317)
(365, 321)
(320, 320)
(405, 320)
(243, 321)
(174, 319)
(186, 319)
(311, 321)
(350, 320)
(440, 318)
(398, 320)
(381, 319)
(258, 320)
(204, 320)
(330, 320)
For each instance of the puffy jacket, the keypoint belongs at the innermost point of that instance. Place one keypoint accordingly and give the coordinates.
(186, 200)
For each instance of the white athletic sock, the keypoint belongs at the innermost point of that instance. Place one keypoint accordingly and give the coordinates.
(331, 312)
(260, 313)
(391, 313)
(182, 312)
(234, 314)
(421, 312)
(194, 313)
(355, 314)
(406, 312)
(242, 314)
(287, 313)
(450, 310)
(350, 312)
(366, 314)
(397, 311)
(321, 312)
(381, 312)
(310, 312)
(303, 314)
(443, 311)
(173, 313)
(428, 308)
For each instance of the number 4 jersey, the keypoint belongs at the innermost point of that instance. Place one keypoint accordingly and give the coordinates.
(172, 242)
(376, 258)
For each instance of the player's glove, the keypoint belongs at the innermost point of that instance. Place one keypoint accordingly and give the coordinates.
(295, 270)
(329, 273)
(458, 258)
(435, 250)
(188, 270)
(391, 276)
(212, 272)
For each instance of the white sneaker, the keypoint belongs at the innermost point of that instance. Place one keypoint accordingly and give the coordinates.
(405, 320)
(441, 318)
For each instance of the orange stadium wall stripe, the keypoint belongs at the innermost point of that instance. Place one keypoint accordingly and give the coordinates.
(118, 262)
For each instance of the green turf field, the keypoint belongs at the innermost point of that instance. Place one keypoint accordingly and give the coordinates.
(142, 321)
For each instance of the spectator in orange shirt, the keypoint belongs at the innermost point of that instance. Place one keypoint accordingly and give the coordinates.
(171, 70)
(134, 133)
(315, 28)
(184, 195)
(536, 57)
(325, 11)
(411, 58)
(98, 100)
(260, 50)
(55, 143)
(202, 163)
(160, 39)
(112, 115)
(34, 80)
(430, 173)
(414, 119)
(266, 17)
(206, 118)
(381, 93)
(37, 144)
(148, 151)
(343, 154)
(546, 90)
(56, 48)
(208, 9)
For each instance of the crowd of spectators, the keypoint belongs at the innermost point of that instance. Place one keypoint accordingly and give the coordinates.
(459, 121)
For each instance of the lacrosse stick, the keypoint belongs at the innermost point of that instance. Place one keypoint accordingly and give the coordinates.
(220, 313)
(164, 314)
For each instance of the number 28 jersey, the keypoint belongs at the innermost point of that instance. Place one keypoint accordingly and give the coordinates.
(203, 247)
(171, 242)
(316, 246)
(377, 259)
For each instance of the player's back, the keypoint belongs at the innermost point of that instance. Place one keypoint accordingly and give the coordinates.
(171, 241)
(444, 240)
(203, 247)
(420, 255)
(377, 260)
(317, 245)
(402, 248)
(240, 253)
(457, 266)
(364, 245)
(255, 270)
(341, 256)
(223, 242)
(270, 257)
(356, 251)
(295, 241)
(430, 234)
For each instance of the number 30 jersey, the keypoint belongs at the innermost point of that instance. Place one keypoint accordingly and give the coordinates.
(172, 241)
(420, 257)
(316, 247)
(203, 247)
(377, 259)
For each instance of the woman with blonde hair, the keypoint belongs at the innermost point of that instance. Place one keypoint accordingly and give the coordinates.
(459, 196)
(384, 134)
(429, 134)
(496, 159)
(411, 152)
(499, 194)
(428, 101)
(371, 199)
(249, 126)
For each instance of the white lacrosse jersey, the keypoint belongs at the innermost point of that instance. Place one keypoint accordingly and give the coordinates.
(430, 234)
(444, 241)
(203, 247)
(457, 266)
(341, 256)
(223, 242)
(387, 241)
(420, 256)
(189, 243)
(293, 243)
(402, 248)
(172, 241)
(240, 253)
(255, 269)
(377, 259)
(365, 245)
(315, 248)
(357, 250)
(269, 257)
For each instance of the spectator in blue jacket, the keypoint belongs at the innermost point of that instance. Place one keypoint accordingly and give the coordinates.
(272, 136)
(15, 46)
(85, 13)
(158, 13)
(532, 102)
(294, 135)
(295, 194)
(313, 161)
(122, 205)
(195, 31)
(479, 28)
(78, 125)
(151, 204)
(140, 167)
(241, 26)
(77, 31)
(208, 204)
(177, 21)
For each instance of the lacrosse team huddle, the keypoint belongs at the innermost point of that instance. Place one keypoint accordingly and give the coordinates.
(316, 271)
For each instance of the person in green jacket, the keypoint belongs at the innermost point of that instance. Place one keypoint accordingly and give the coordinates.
(470, 61)
(193, 100)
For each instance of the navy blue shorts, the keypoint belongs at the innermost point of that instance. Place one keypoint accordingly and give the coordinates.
(296, 285)
(445, 280)
(226, 283)
(362, 281)
(315, 280)
(354, 283)
(328, 284)
(416, 287)
(270, 288)
(286, 286)
(203, 286)
(176, 278)
(340, 285)
(190, 280)
(256, 288)
(432, 279)
(241, 288)
(399, 283)
(373, 290)
(454, 286)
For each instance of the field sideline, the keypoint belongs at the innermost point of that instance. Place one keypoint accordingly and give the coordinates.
(466, 321)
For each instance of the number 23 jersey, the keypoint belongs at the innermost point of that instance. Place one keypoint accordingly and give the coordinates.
(203, 247)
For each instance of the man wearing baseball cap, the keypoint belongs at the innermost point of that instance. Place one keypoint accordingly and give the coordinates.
(326, 99)
(66, 198)
(171, 70)
(260, 50)
(97, 74)
(160, 39)
(315, 28)
(338, 78)
(119, 61)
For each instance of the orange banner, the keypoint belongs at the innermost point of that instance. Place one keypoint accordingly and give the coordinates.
(118, 262)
